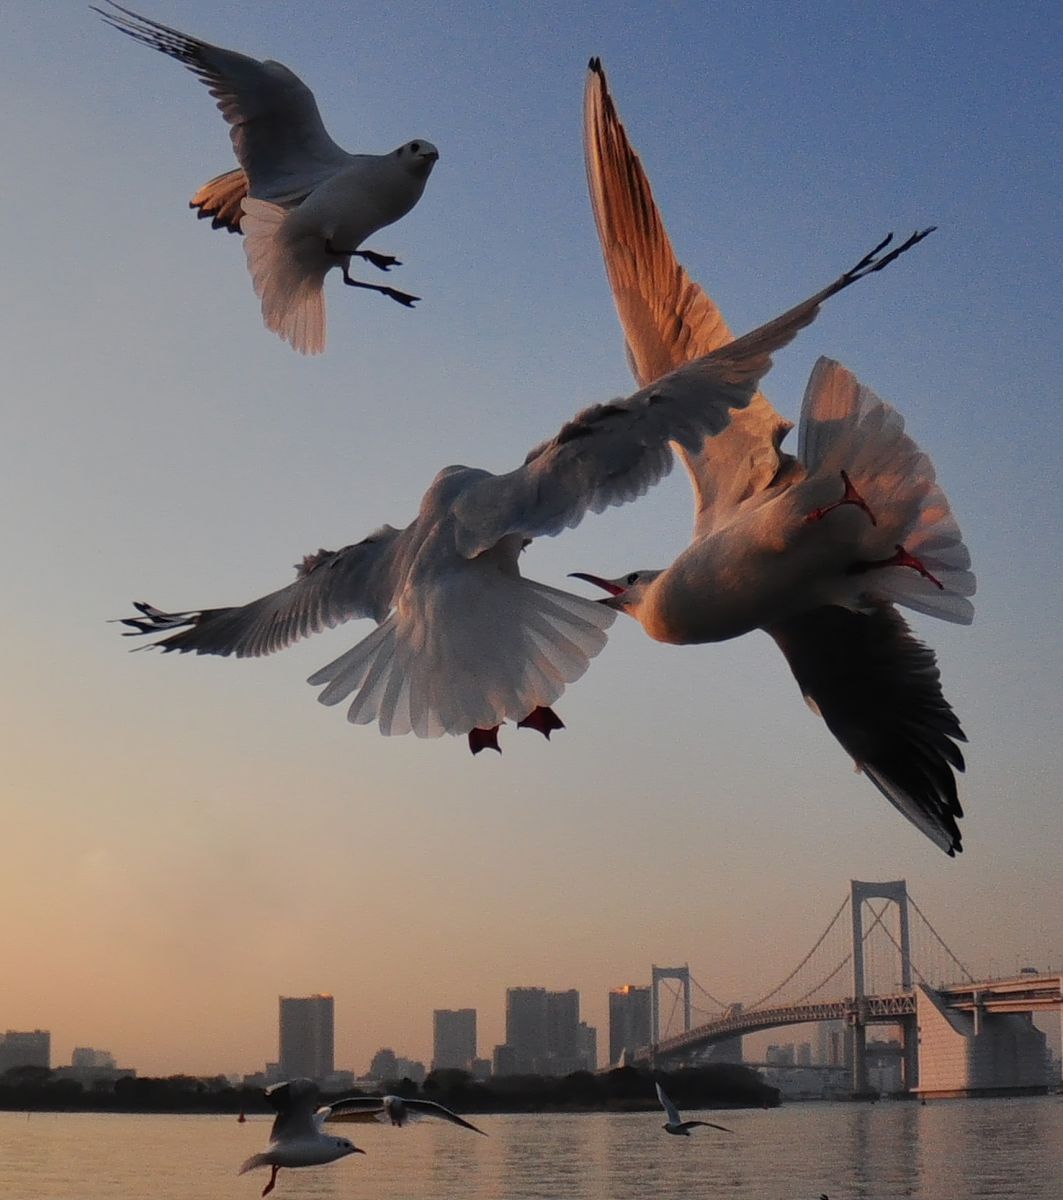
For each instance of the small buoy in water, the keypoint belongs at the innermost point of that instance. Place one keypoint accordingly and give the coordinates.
(241, 1118)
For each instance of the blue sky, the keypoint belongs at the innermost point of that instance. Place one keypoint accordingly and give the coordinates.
(189, 838)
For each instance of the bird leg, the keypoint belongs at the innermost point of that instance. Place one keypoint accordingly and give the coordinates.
(900, 558)
(272, 1181)
(850, 496)
(484, 739)
(399, 297)
(383, 262)
(545, 720)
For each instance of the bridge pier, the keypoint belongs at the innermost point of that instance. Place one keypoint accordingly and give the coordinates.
(910, 1053)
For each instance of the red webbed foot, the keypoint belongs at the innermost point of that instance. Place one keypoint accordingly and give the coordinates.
(272, 1181)
(900, 558)
(484, 739)
(545, 720)
(850, 496)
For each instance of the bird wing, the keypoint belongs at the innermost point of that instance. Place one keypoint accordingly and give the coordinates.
(879, 690)
(666, 317)
(613, 453)
(670, 1110)
(431, 1109)
(331, 586)
(276, 129)
(708, 1125)
(355, 1108)
(295, 1102)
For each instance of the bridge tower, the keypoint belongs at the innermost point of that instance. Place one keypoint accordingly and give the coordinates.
(896, 891)
(682, 974)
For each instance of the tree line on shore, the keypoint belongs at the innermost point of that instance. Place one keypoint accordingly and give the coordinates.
(625, 1089)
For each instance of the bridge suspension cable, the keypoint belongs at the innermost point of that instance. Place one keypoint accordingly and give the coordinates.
(941, 941)
(705, 992)
(819, 942)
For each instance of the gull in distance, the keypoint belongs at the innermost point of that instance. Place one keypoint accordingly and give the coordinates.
(304, 204)
(675, 1123)
(818, 548)
(463, 641)
(398, 1110)
(297, 1138)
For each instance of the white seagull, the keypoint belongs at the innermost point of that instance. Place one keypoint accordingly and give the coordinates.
(398, 1110)
(296, 1139)
(675, 1123)
(463, 642)
(304, 204)
(815, 549)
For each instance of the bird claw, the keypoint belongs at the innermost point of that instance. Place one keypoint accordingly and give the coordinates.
(484, 739)
(542, 719)
(383, 262)
(850, 496)
(900, 558)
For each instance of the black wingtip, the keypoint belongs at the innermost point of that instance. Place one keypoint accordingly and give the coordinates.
(595, 65)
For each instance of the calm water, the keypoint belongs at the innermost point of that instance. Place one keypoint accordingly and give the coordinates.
(958, 1150)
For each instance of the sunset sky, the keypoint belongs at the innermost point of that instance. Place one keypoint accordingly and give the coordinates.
(186, 838)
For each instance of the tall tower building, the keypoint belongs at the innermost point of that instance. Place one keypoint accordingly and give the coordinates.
(25, 1048)
(563, 1053)
(306, 1037)
(526, 1028)
(629, 1021)
(453, 1038)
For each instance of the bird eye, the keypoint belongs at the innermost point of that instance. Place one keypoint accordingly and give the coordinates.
(415, 147)
(632, 578)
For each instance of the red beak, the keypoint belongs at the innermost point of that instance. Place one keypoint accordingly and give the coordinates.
(614, 589)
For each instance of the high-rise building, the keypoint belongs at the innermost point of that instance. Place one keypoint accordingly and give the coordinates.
(306, 1037)
(28, 1048)
(526, 1028)
(453, 1038)
(588, 1047)
(629, 1021)
(562, 1033)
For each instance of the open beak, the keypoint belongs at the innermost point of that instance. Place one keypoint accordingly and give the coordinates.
(608, 585)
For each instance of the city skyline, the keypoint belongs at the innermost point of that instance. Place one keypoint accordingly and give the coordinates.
(188, 838)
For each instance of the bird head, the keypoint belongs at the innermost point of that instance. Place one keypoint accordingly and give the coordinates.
(626, 592)
(419, 157)
(344, 1146)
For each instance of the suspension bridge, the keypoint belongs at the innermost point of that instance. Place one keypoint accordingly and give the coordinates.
(959, 1035)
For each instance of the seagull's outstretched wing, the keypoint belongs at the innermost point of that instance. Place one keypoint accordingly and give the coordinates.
(613, 453)
(276, 129)
(431, 1109)
(708, 1125)
(670, 1110)
(879, 691)
(667, 318)
(355, 1108)
(331, 587)
(295, 1102)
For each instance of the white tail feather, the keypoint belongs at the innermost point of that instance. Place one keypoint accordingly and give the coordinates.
(288, 272)
(472, 653)
(845, 426)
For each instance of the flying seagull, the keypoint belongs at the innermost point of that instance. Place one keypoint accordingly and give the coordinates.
(296, 1139)
(463, 641)
(304, 204)
(399, 1110)
(675, 1123)
(815, 549)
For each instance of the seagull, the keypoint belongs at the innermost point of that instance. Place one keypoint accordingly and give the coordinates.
(463, 641)
(399, 1110)
(296, 1139)
(304, 204)
(675, 1123)
(816, 549)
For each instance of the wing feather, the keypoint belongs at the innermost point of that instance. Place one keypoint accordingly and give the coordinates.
(330, 587)
(879, 691)
(666, 317)
(275, 126)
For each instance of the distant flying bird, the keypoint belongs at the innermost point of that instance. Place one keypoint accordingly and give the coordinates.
(675, 1123)
(304, 204)
(463, 642)
(296, 1139)
(399, 1110)
(815, 549)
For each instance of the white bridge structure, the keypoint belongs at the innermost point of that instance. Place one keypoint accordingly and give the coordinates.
(960, 1037)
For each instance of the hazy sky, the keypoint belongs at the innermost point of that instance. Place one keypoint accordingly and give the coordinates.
(183, 839)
